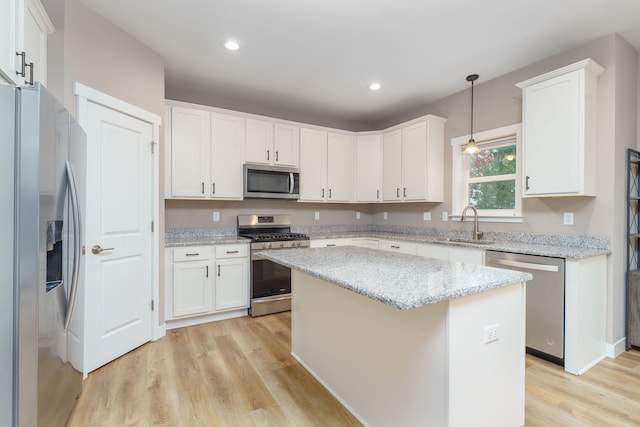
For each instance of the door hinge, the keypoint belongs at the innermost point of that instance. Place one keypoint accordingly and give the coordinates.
(152, 305)
(152, 226)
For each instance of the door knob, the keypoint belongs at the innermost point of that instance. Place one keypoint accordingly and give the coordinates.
(96, 249)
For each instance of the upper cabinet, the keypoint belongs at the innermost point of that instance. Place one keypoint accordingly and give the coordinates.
(272, 143)
(205, 154)
(24, 27)
(413, 162)
(205, 150)
(368, 168)
(559, 131)
(326, 166)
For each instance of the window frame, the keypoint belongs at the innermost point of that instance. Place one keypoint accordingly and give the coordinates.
(460, 174)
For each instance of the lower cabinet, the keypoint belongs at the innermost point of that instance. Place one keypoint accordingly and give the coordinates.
(451, 253)
(204, 281)
(396, 246)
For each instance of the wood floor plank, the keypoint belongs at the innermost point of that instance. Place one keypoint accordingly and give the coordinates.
(240, 372)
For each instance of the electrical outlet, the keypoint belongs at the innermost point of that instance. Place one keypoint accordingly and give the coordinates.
(216, 216)
(316, 215)
(426, 216)
(491, 333)
(568, 218)
(384, 215)
(445, 216)
(357, 215)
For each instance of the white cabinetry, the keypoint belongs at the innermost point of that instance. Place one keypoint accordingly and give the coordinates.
(272, 143)
(368, 168)
(340, 173)
(412, 162)
(559, 127)
(24, 26)
(452, 253)
(206, 283)
(325, 243)
(397, 246)
(227, 156)
(206, 154)
(326, 166)
(192, 281)
(232, 277)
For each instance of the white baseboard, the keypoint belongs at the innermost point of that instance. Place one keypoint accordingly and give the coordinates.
(616, 349)
(197, 320)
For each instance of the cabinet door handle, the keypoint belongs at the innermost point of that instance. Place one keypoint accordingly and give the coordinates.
(232, 252)
(203, 188)
(377, 194)
(213, 188)
(526, 185)
(23, 64)
(398, 192)
(276, 155)
(404, 192)
(323, 193)
(193, 254)
(207, 271)
(395, 247)
(329, 193)
(330, 244)
(218, 270)
(267, 154)
(30, 82)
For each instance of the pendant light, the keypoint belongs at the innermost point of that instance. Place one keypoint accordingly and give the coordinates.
(471, 147)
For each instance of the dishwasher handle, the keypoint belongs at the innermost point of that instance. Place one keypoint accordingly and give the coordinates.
(527, 265)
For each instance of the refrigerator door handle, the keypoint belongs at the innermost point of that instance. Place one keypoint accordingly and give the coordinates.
(77, 239)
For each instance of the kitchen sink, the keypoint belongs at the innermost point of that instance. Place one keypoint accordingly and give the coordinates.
(474, 242)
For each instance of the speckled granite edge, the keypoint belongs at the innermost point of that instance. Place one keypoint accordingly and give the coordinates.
(399, 280)
(175, 237)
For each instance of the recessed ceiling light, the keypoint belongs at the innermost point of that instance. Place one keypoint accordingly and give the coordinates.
(374, 86)
(232, 45)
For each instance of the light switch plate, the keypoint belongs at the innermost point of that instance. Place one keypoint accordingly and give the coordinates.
(445, 216)
(357, 215)
(384, 215)
(216, 216)
(316, 216)
(426, 216)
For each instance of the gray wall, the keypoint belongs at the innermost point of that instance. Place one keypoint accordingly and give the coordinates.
(88, 49)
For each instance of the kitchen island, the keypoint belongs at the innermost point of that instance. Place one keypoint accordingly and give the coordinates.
(411, 341)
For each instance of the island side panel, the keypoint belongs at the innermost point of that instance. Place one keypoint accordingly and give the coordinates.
(585, 313)
(486, 380)
(387, 366)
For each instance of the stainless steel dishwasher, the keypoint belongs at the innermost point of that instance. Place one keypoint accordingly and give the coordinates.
(545, 301)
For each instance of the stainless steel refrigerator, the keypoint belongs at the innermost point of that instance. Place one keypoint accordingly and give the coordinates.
(42, 170)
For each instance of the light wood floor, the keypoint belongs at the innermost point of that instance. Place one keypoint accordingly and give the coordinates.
(239, 373)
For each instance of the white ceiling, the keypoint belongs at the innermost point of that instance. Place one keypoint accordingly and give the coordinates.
(318, 56)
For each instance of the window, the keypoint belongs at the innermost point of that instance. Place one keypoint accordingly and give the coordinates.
(489, 180)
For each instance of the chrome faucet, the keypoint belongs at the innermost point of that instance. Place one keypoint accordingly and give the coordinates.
(477, 234)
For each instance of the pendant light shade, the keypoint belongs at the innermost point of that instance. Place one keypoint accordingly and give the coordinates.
(471, 147)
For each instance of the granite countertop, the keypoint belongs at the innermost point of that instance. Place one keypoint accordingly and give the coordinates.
(558, 246)
(399, 280)
(568, 247)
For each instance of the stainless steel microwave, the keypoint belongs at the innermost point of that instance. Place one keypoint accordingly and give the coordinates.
(271, 182)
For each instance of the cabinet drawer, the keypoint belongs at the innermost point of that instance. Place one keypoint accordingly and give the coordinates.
(232, 251)
(191, 253)
(404, 247)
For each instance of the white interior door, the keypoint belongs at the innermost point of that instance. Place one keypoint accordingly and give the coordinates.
(119, 272)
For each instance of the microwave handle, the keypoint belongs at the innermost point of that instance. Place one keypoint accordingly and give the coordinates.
(291, 183)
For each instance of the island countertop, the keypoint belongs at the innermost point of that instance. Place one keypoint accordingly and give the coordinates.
(399, 280)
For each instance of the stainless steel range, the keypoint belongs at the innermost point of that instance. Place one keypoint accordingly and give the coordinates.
(270, 281)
